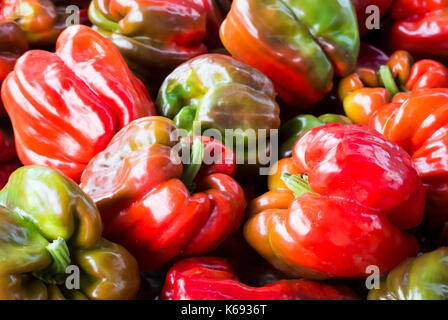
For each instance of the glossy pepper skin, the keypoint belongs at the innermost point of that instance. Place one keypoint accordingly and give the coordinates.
(158, 34)
(350, 211)
(147, 205)
(293, 129)
(218, 92)
(48, 223)
(421, 27)
(41, 20)
(279, 39)
(368, 89)
(421, 278)
(211, 278)
(362, 13)
(418, 122)
(66, 106)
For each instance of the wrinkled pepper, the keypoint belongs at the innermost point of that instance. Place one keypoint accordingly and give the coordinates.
(211, 278)
(339, 205)
(368, 89)
(421, 27)
(164, 198)
(158, 34)
(48, 223)
(421, 278)
(418, 122)
(217, 92)
(292, 130)
(41, 20)
(66, 106)
(299, 45)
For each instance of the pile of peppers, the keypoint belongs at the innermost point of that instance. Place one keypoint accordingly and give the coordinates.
(223, 150)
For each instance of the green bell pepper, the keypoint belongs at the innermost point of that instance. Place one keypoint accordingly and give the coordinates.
(291, 131)
(421, 278)
(218, 93)
(47, 223)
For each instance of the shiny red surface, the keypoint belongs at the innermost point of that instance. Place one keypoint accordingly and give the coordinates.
(66, 106)
(366, 192)
(212, 278)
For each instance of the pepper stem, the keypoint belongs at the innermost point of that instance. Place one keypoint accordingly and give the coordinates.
(298, 185)
(388, 80)
(191, 169)
(55, 272)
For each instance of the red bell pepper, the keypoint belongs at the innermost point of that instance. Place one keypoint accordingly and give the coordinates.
(166, 33)
(368, 89)
(362, 14)
(418, 121)
(153, 205)
(66, 106)
(348, 212)
(421, 27)
(211, 278)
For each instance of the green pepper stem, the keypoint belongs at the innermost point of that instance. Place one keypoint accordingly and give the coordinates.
(99, 19)
(388, 80)
(55, 272)
(296, 184)
(191, 169)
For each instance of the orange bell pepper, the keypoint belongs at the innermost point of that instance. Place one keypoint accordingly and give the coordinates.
(418, 121)
(366, 90)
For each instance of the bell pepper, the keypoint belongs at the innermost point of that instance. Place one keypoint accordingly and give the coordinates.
(299, 45)
(418, 122)
(154, 205)
(421, 27)
(41, 20)
(211, 278)
(214, 91)
(421, 278)
(48, 223)
(339, 205)
(66, 106)
(165, 34)
(292, 130)
(362, 13)
(367, 89)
